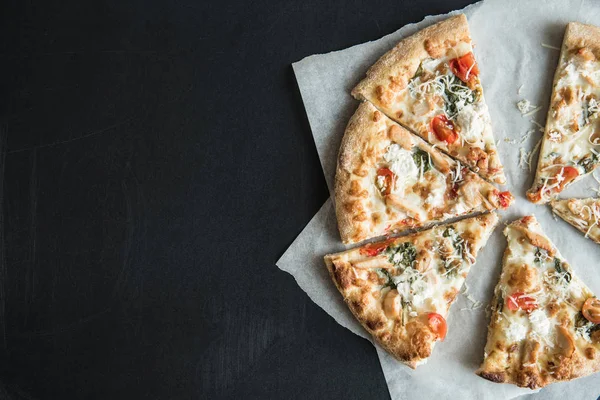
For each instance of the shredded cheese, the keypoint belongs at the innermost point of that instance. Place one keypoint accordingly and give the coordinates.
(549, 46)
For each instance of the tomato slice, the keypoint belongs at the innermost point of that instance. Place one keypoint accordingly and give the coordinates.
(464, 67)
(505, 199)
(521, 301)
(443, 129)
(373, 249)
(389, 179)
(569, 173)
(591, 310)
(437, 324)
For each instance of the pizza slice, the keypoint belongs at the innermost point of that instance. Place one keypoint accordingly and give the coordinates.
(401, 289)
(571, 143)
(544, 326)
(429, 82)
(389, 180)
(583, 214)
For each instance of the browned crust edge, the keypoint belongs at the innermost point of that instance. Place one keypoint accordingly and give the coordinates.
(577, 35)
(409, 52)
(557, 208)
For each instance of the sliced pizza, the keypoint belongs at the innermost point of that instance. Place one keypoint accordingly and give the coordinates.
(401, 289)
(545, 321)
(429, 82)
(571, 143)
(389, 180)
(583, 214)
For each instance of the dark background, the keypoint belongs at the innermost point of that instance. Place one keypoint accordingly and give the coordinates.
(156, 162)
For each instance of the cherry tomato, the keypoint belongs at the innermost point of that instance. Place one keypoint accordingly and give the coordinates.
(505, 199)
(373, 249)
(568, 173)
(519, 300)
(443, 129)
(437, 324)
(591, 310)
(389, 179)
(464, 67)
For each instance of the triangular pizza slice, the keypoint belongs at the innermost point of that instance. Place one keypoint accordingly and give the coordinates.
(571, 143)
(429, 82)
(389, 180)
(583, 214)
(401, 289)
(544, 326)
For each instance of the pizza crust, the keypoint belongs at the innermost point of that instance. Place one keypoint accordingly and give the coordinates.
(571, 211)
(536, 358)
(403, 60)
(578, 37)
(412, 343)
(363, 212)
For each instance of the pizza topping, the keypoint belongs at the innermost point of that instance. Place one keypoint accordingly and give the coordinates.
(591, 310)
(391, 304)
(565, 341)
(540, 323)
(402, 164)
(521, 301)
(472, 120)
(438, 325)
(373, 249)
(464, 67)
(516, 331)
(403, 255)
(443, 129)
(385, 180)
(568, 174)
(505, 199)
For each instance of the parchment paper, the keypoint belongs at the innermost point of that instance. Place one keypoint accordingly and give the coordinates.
(508, 36)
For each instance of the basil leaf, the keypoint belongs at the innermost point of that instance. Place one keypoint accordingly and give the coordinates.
(421, 159)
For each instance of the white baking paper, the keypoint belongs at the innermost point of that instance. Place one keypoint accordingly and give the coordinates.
(514, 65)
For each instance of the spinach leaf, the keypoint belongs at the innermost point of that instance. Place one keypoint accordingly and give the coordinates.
(390, 281)
(559, 268)
(403, 255)
(453, 99)
(421, 158)
(588, 163)
(540, 255)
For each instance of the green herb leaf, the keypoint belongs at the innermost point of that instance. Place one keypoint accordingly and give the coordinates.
(589, 163)
(403, 255)
(559, 268)
(540, 255)
(390, 282)
(421, 159)
(451, 105)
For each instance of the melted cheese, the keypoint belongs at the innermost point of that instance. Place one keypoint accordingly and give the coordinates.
(472, 120)
(402, 164)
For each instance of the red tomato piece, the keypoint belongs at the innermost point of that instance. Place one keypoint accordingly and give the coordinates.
(464, 67)
(373, 249)
(443, 129)
(437, 324)
(519, 300)
(505, 199)
(568, 173)
(389, 179)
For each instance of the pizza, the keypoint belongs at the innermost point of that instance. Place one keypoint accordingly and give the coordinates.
(583, 214)
(401, 289)
(545, 323)
(389, 180)
(571, 143)
(429, 83)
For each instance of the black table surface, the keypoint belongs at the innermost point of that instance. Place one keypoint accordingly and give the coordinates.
(156, 161)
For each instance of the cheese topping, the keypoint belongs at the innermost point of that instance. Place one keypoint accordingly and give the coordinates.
(402, 164)
(472, 118)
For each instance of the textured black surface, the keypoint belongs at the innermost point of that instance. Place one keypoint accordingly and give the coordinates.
(157, 161)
